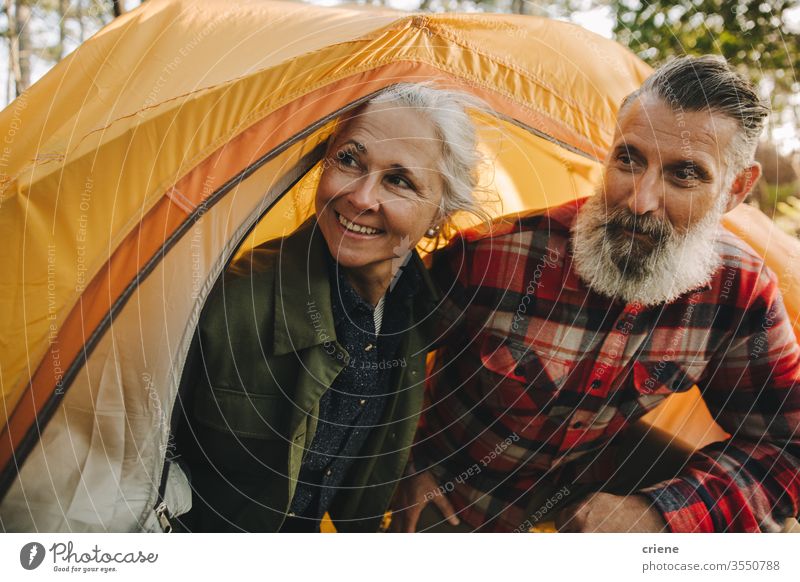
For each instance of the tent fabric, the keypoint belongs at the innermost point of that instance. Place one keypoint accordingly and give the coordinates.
(135, 169)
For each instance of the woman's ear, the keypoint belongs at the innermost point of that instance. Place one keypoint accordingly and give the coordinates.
(742, 185)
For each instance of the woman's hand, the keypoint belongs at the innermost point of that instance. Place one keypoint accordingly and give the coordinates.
(413, 494)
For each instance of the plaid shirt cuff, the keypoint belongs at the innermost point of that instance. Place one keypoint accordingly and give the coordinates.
(681, 505)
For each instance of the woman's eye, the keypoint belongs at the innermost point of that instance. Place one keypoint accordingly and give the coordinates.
(346, 159)
(625, 159)
(396, 180)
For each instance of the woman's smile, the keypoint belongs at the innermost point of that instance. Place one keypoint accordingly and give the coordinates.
(351, 228)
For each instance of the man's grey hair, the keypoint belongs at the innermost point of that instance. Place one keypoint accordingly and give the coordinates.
(447, 111)
(709, 83)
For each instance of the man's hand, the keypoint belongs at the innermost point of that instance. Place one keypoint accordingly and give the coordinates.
(603, 512)
(413, 494)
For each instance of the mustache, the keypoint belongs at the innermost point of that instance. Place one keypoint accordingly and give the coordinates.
(621, 221)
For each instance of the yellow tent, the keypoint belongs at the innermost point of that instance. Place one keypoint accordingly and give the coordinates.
(134, 170)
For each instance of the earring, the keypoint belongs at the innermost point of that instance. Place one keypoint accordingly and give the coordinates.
(433, 231)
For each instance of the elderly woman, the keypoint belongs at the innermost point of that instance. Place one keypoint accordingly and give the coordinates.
(309, 379)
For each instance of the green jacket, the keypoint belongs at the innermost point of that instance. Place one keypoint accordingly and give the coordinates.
(269, 352)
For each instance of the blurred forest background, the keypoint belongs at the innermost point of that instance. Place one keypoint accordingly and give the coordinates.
(760, 37)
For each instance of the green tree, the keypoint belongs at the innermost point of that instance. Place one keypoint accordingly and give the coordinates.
(756, 36)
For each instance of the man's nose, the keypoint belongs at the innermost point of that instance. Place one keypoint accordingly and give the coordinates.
(648, 193)
(364, 193)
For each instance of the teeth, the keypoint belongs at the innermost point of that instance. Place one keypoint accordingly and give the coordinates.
(353, 227)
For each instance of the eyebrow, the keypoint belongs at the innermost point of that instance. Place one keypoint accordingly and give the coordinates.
(400, 168)
(700, 170)
(359, 146)
(628, 149)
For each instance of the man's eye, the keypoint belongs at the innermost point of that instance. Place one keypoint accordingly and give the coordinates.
(625, 160)
(686, 175)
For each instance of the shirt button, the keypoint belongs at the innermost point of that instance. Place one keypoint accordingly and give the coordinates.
(596, 383)
(362, 402)
(290, 514)
(329, 472)
(369, 347)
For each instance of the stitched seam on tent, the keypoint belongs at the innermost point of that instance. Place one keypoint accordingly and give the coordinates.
(446, 34)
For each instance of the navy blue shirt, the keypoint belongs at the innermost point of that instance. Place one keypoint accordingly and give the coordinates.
(355, 402)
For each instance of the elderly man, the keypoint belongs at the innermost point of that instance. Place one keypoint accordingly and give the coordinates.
(565, 327)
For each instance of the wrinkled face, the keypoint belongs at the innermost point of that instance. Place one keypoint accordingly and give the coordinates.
(649, 233)
(665, 173)
(381, 187)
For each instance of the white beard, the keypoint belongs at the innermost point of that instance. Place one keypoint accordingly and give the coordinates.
(676, 265)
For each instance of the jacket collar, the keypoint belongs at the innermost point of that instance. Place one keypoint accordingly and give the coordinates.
(303, 313)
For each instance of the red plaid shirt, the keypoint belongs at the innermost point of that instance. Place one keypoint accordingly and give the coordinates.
(538, 371)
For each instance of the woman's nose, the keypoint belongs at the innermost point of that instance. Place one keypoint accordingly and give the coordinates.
(364, 193)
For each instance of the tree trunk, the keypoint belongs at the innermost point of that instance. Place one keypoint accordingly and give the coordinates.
(81, 25)
(22, 67)
(63, 9)
(15, 72)
(11, 35)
